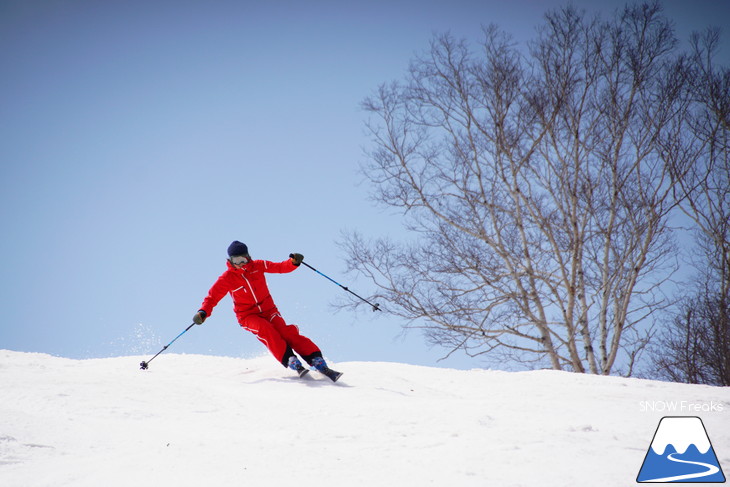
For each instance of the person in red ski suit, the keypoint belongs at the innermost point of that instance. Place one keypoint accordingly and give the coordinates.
(255, 309)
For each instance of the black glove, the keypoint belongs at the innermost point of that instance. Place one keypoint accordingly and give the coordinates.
(199, 317)
(296, 259)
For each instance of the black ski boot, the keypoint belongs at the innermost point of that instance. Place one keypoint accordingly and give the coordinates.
(297, 366)
(321, 366)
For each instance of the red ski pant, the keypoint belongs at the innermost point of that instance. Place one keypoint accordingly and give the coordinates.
(281, 339)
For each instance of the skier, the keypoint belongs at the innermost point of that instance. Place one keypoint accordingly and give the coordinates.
(256, 312)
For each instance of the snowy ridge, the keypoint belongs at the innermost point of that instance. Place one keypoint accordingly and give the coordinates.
(193, 420)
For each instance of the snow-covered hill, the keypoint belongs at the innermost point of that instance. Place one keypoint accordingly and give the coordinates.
(198, 421)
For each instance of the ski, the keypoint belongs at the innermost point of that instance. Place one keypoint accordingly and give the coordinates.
(302, 371)
(332, 374)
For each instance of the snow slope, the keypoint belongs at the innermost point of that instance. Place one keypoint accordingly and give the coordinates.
(197, 421)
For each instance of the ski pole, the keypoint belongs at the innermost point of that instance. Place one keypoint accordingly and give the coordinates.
(376, 306)
(145, 365)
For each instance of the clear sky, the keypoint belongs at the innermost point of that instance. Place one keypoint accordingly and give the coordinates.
(139, 138)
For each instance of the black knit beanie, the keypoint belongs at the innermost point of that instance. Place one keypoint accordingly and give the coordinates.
(237, 248)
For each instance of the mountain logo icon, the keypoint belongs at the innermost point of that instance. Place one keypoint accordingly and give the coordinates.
(680, 452)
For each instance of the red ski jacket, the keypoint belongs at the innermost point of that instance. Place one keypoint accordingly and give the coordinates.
(247, 287)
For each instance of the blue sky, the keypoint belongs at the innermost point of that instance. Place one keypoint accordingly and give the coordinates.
(138, 139)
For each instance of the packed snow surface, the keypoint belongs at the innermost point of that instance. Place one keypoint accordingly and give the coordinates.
(193, 420)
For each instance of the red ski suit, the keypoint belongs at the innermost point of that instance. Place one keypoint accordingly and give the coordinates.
(256, 311)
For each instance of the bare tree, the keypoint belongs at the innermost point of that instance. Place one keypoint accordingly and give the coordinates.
(696, 346)
(534, 188)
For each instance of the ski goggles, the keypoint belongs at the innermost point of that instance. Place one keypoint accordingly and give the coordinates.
(240, 259)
